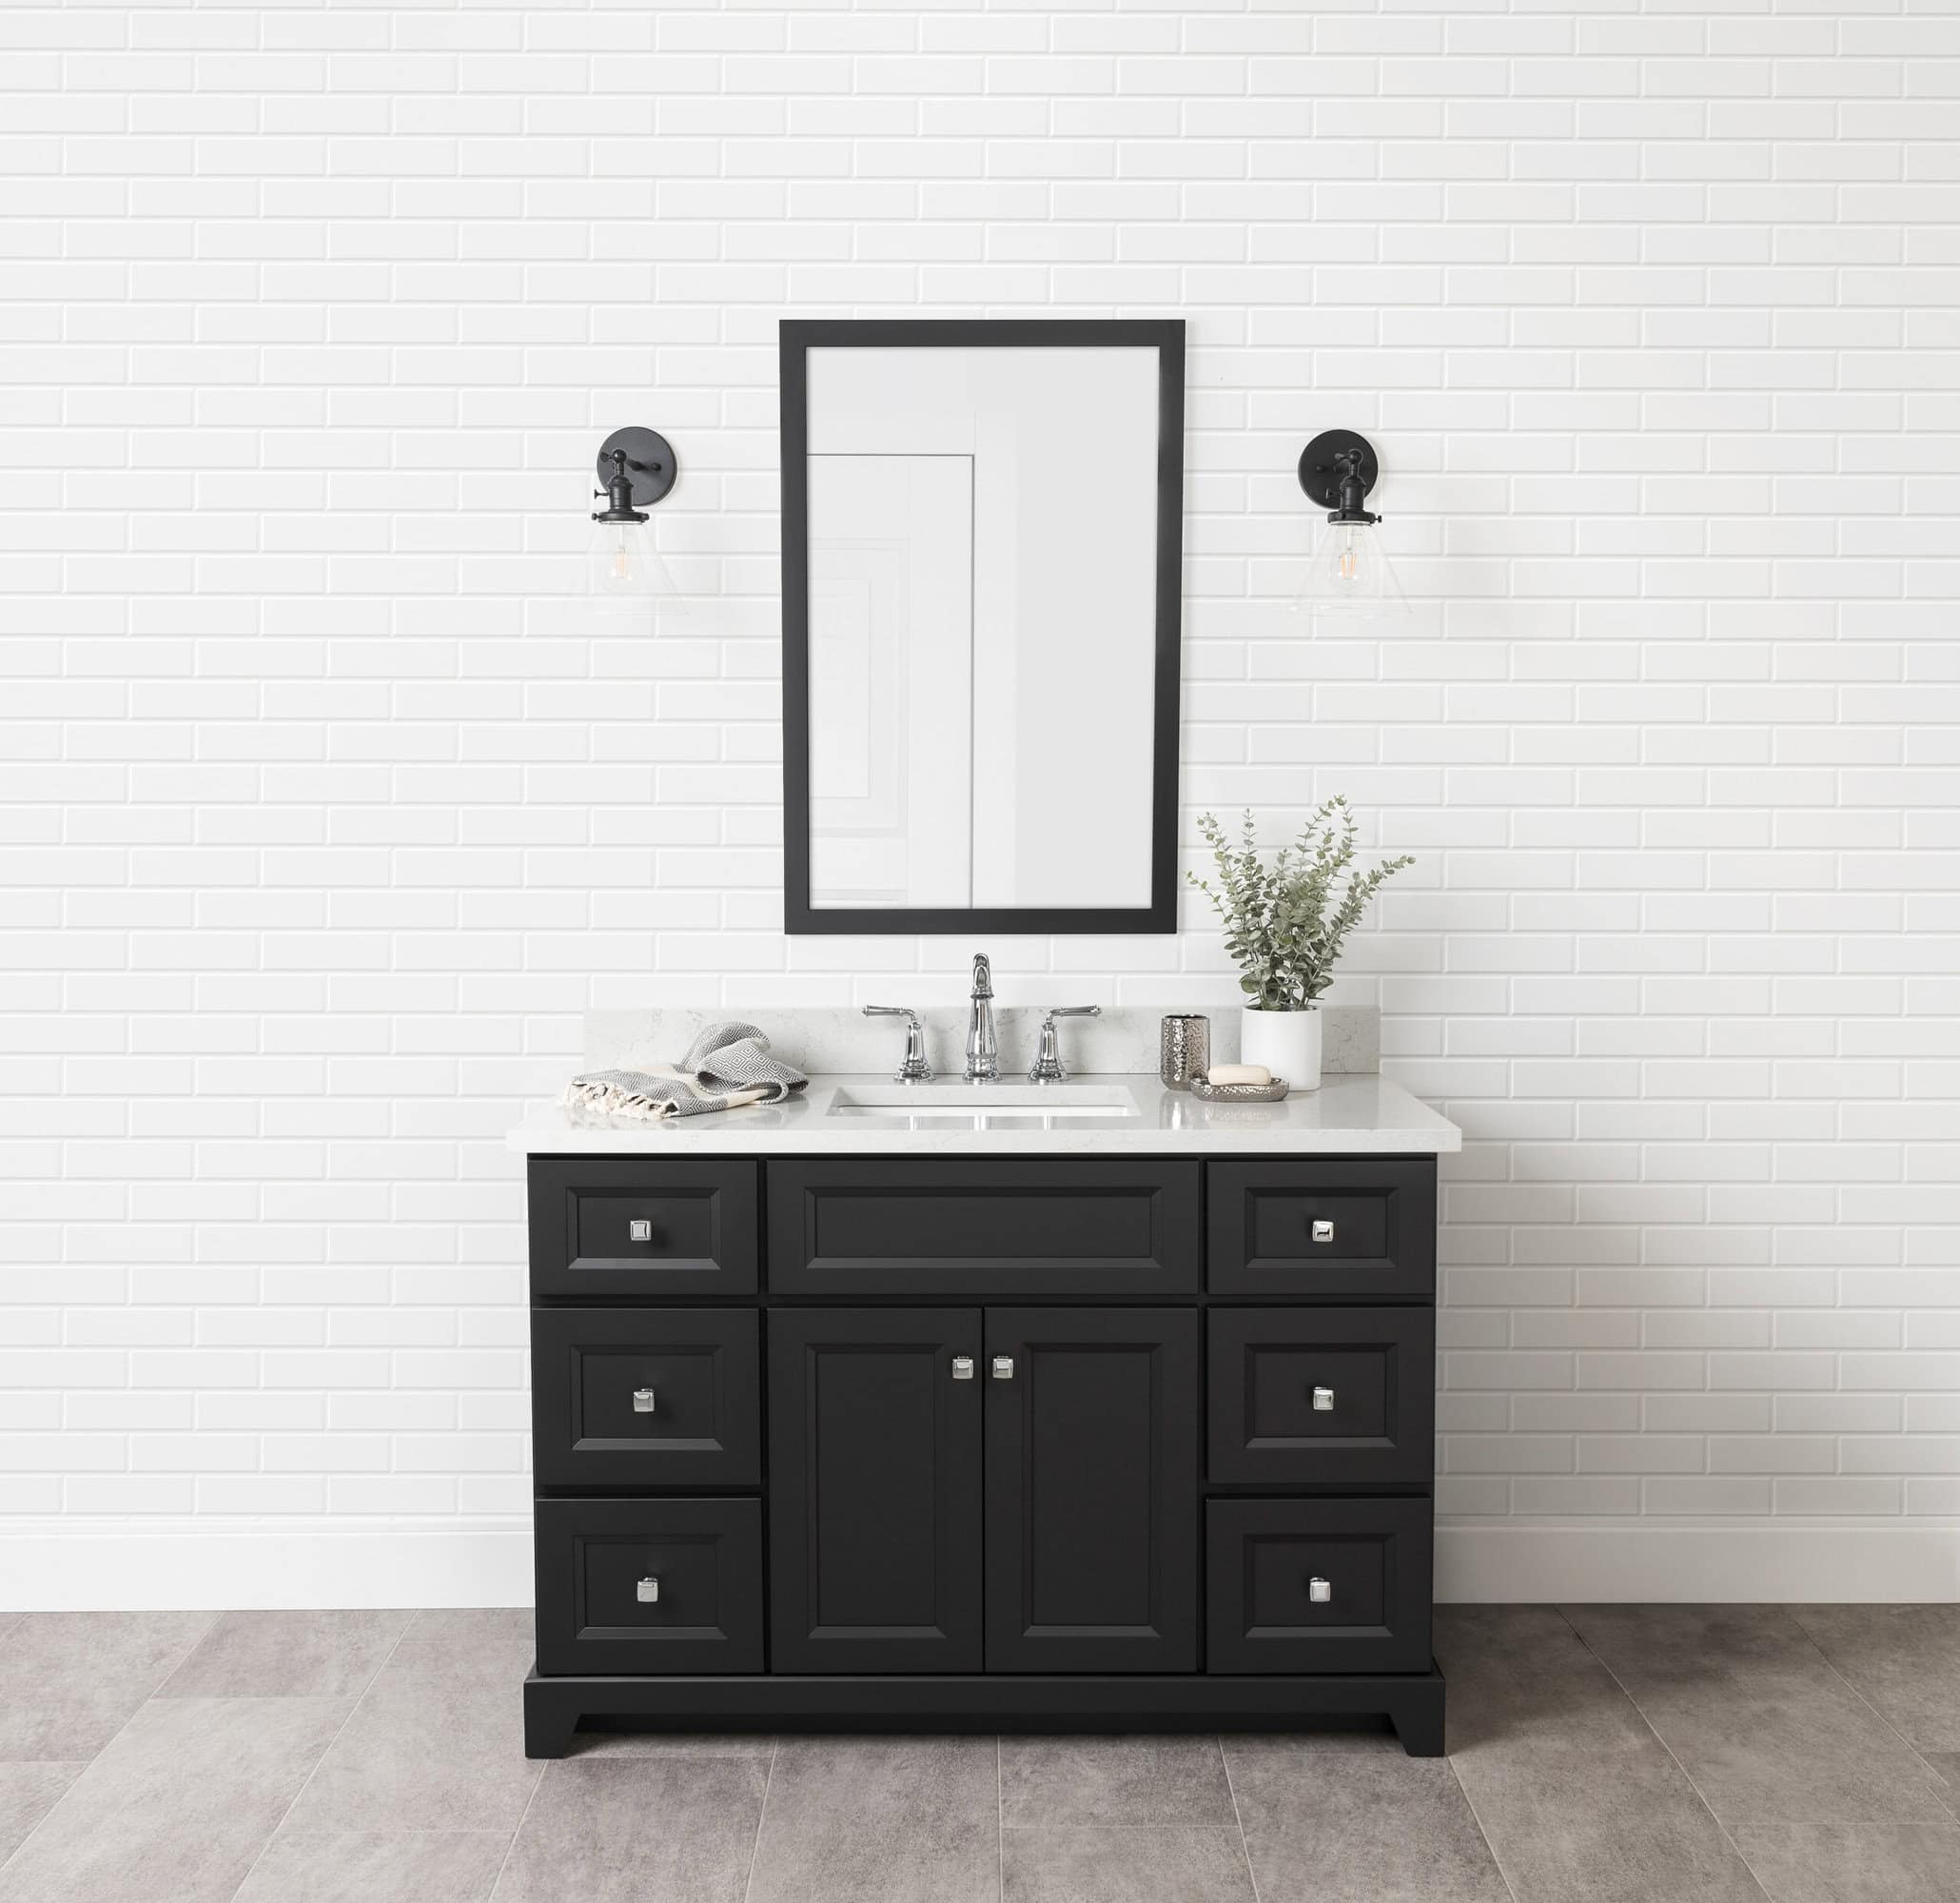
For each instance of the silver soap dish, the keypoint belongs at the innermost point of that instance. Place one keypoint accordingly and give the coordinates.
(1239, 1094)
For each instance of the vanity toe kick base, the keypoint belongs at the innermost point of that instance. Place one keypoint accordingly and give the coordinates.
(1145, 1446)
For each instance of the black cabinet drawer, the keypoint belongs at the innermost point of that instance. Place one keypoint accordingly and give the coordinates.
(645, 1396)
(649, 1586)
(1359, 1228)
(902, 1227)
(1318, 1585)
(1316, 1397)
(626, 1226)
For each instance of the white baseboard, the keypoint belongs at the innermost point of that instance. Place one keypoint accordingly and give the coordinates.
(59, 1565)
(1684, 1561)
(54, 1565)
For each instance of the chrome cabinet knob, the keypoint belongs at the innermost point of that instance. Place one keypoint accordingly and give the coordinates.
(643, 1400)
(1323, 1232)
(1003, 1367)
(1324, 1400)
(963, 1367)
(640, 1231)
(649, 1591)
(1320, 1591)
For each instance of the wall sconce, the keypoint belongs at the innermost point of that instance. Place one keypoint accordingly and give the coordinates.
(1350, 576)
(622, 566)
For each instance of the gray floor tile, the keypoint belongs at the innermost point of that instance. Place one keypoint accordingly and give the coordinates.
(69, 1680)
(457, 1640)
(1113, 1780)
(880, 1820)
(1098, 1863)
(647, 1830)
(28, 1791)
(1358, 1822)
(179, 1804)
(437, 1743)
(1948, 1765)
(1904, 1658)
(672, 1744)
(378, 1867)
(1854, 1863)
(1767, 1729)
(1579, 1801)
(288, 1655)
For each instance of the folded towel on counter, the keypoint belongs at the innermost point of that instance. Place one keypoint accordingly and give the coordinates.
(726, 1067)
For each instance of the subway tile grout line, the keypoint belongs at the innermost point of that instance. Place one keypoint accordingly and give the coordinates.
(359, 1698)
(1654, 1731)
(149, 1697)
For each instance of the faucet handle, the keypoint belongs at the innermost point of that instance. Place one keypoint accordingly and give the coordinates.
(1047, 1067)
(914, 1070)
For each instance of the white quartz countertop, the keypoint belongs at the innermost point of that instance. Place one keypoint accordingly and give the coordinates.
(1110, 1114)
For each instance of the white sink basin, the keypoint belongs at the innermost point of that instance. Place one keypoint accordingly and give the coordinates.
(981, 1104)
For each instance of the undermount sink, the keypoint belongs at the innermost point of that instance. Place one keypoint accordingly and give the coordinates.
(959, 1102)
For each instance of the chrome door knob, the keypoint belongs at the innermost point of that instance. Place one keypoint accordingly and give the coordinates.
(649, 1591)
(963, 1367)
(1324, 1400)
(1323, 1232)
(642, 1401)
(1003, 1367)
(1320, 1591)
(640, 1231)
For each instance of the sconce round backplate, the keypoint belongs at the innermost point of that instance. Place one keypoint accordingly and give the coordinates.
(649, 462)
(1319, 475)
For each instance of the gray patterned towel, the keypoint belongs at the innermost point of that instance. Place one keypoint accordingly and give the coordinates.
(726, 1067)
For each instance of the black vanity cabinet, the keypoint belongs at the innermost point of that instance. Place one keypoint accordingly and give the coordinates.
(1013, 1444)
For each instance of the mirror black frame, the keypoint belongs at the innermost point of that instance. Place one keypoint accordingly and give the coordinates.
(799, 336)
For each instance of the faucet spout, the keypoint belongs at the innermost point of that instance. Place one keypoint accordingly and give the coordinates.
(983, 1046)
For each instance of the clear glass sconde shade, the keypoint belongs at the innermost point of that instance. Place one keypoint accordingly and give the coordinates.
(625, 574)
(1350, 576)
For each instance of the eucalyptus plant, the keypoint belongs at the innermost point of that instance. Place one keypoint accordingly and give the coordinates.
(1285, 922)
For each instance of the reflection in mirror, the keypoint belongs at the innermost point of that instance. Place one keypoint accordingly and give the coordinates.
(982, 655)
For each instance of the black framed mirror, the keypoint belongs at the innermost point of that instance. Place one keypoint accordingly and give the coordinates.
(982, 557)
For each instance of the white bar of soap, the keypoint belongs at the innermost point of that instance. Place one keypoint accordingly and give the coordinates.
(1238, 1074)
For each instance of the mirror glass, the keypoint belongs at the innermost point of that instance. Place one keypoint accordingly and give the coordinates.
(982, 627)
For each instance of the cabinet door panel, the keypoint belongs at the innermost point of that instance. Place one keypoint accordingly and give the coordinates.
(875, 1490)
(1092, 1490)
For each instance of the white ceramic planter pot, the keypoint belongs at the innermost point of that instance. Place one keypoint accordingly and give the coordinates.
(1287, 1043)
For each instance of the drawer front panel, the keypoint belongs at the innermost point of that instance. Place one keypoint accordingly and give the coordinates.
(649, 1586)
(645, 1396)
(1359, 1228)
(1319, 1585)
(627, 1226)
(1320, 1397)
(897, 1225)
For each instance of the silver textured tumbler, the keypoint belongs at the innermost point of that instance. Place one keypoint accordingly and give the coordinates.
(1184, 1051)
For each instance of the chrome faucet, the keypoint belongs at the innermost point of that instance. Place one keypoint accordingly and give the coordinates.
(983, 1048)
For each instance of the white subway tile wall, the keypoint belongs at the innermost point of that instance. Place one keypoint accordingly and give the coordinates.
(328, 810)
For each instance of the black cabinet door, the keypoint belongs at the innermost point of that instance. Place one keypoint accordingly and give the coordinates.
(874, 1489)
(1092, 1490)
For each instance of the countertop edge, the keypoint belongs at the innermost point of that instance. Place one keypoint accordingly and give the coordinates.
(1388, 1121)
